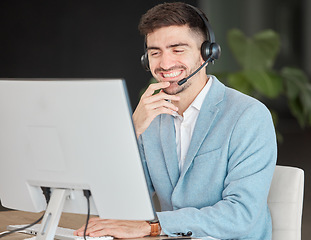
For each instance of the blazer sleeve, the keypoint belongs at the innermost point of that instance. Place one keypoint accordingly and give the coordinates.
(145, 167)
(252, 153)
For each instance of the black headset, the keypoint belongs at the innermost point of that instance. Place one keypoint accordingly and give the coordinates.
(210, 50)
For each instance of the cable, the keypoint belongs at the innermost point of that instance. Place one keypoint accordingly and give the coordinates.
(87, 194)
(47, 193)
(20, 229)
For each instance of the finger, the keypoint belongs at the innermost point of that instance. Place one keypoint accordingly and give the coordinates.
(163, 110)
(80, 231)
(162, 103)
(154, 87)
(121, 230)
(161, 96)
(117, 232)
(95, 219)
(97, 225)
(104, 232)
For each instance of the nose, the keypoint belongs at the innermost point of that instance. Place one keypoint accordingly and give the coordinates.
(167, 60)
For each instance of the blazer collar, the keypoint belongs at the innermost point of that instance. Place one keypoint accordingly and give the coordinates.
(168, 141)
(207, 115)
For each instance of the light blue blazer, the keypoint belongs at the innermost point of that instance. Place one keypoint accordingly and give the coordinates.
(222, 190)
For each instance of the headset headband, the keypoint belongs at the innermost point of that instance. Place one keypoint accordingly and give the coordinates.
(210, 31)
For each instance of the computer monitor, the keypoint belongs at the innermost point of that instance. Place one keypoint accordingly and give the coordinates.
(71, 134)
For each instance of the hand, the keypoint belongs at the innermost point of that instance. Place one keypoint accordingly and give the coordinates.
(98, 227)
(151, 106)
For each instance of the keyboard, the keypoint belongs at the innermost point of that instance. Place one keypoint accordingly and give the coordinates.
(61, 233)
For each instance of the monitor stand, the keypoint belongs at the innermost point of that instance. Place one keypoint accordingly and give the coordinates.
(53, 213)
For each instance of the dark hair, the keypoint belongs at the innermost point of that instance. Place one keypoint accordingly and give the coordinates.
(172, 14)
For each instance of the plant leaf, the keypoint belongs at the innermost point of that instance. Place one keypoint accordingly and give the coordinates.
(237, 43)
(239, 82)
(268, 46)
(258, 52)
(268, 84)
(305, 98)
(295, 81)
(296, 109)
(298, 91)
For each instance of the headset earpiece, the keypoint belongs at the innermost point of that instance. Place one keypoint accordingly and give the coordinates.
(210, 51)
(145, 62)
(215, 51)
(205, 50)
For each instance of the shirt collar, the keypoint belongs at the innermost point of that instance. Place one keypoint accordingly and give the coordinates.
(198, 101)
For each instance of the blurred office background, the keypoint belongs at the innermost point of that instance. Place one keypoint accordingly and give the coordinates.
(99, 39)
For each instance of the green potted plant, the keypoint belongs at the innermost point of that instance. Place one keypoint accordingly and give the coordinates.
(257, 76)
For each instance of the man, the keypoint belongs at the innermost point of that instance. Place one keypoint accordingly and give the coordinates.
(209, 152)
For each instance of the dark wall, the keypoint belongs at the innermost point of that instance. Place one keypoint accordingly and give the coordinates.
(74, 39)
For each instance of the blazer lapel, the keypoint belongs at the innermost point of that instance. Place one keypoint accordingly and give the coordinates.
(168, 141)
(207, 115)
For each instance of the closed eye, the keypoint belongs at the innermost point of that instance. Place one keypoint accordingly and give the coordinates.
(154, 53)
(179, 50)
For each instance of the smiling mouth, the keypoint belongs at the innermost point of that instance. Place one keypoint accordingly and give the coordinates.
(171, 74)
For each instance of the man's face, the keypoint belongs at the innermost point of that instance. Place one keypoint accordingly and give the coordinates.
(174, 53)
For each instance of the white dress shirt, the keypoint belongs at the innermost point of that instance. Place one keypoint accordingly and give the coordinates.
(184, 125)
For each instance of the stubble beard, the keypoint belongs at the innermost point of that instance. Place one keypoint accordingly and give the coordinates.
(178, 88)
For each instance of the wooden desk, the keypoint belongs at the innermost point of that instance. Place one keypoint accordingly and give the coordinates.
(68, 220)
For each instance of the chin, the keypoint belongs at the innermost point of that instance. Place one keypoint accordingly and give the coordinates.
(175, 89)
